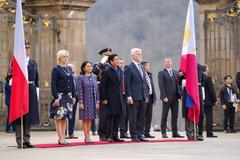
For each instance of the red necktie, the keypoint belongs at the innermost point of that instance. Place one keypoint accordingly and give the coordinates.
(123, 87)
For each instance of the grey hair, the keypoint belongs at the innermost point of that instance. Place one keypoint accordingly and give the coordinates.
(134, 50)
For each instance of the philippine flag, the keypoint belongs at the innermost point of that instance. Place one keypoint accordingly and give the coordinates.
(19, 93)
(188, 66)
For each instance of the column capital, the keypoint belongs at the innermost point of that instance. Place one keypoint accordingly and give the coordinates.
(80, 5)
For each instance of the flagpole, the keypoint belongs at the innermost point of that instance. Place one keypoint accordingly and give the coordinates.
(22, 132)
(194, 124)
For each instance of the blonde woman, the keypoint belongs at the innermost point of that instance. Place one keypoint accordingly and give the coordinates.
(63, 92)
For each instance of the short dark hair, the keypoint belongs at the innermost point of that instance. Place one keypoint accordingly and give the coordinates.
(111, 57)
(144, 63)
(227, 77)
(204, 67)
(83, 65)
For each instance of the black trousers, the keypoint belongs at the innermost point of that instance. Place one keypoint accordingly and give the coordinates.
(200, 124)
(26, 133)
(189, 128)
(71, 122)
(173, 105)
(124, 118)
(136, 118)
(102, 123)
(148, 116)
(208, 111)
(229, 116)
(93, 125)
(112, 126)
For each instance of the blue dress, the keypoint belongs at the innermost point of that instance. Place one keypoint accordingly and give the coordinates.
(87, 91)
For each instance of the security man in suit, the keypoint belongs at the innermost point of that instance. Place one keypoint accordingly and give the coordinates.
(151, 99)
(209, 101)
(97, 70)
(170, 93)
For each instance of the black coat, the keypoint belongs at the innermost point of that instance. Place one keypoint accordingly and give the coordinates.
(61, 82)
(111, 90)
(210, 94)
(167, 88)
(32, 117)
(153, 87)
(238, 80)
(135, 85)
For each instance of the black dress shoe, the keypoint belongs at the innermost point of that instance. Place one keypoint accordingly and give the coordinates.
(142, 140)
(211, 136)
(125, 136)
(226, 131)
(233, 131)
(29, 145)
(191, 138)
(103, 139)
(110, 140)
(135, 140)
(164, 135)
(20, 146)
(200, 138)
(149, 136)
(118, 140)
(177, 135)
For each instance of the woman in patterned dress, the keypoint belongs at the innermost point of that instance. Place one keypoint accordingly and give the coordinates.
(64, 93)
(88, 97)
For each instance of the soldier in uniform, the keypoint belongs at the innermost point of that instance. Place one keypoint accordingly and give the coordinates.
(32, 117)
(97, 70)
(189, 126)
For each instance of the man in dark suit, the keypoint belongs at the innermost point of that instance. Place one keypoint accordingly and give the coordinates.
(151, 99)
(112, 98)
(170, 93)
(97, 70)
(209, 101)
(136, 92)
(32, 117)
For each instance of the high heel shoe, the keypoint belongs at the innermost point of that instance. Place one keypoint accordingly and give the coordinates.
(88, 140)
(66, 142)
(61, 142)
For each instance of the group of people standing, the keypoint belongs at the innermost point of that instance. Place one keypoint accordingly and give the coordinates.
(108, 90)
(121, 96)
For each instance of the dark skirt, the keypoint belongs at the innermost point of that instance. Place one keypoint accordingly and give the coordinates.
(65, 110)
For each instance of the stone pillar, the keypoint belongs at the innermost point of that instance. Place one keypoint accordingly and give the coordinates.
(70, 20)
(208, 5)
(70, 17)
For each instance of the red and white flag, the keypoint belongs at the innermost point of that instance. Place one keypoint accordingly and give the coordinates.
(19, 93)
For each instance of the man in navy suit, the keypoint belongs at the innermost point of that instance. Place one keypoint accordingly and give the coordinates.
(112, 98)
(136, 92)
(170, 93)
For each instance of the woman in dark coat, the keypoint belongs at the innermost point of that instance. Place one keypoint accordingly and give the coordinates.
(63, 92)
(111, 95)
